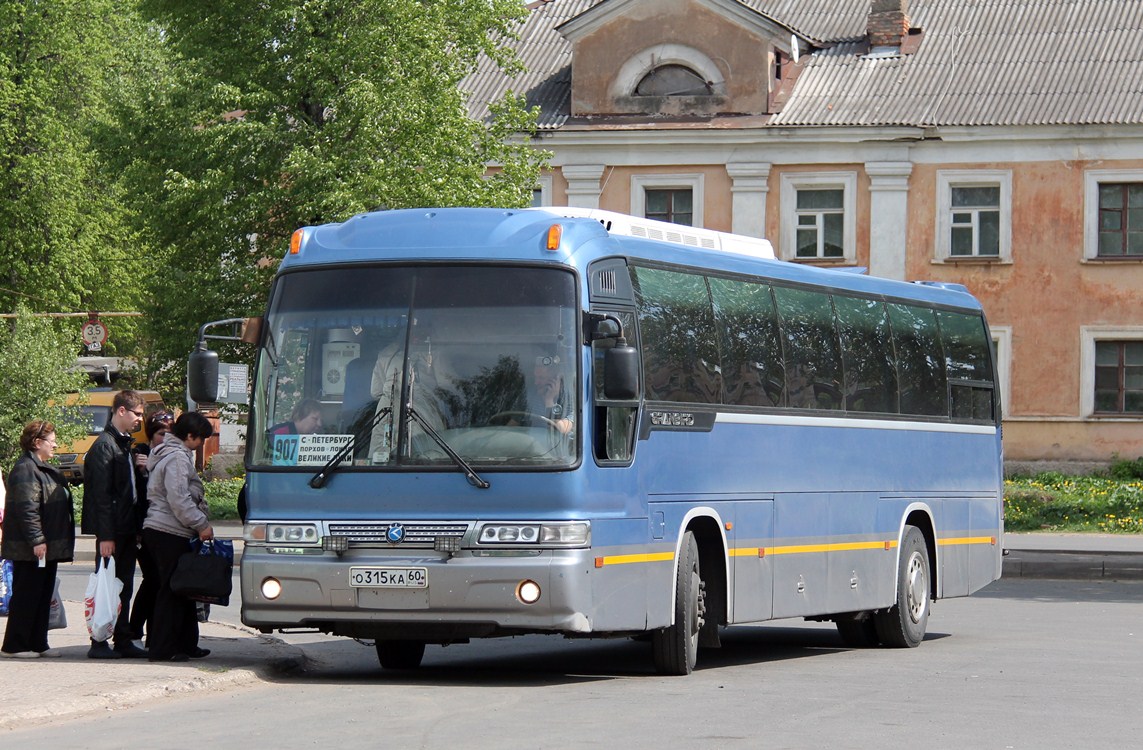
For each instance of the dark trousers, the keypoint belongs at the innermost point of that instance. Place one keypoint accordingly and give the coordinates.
(125, 572)
(144, 603)
(28, 611)
(174, 623)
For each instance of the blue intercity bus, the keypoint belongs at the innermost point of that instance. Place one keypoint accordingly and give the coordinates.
(470, 423)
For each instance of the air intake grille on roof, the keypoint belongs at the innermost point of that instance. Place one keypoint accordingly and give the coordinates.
(418, 534)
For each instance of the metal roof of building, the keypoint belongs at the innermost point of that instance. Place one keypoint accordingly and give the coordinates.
(980, 62)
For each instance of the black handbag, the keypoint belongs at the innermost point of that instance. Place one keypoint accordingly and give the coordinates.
(203, 574)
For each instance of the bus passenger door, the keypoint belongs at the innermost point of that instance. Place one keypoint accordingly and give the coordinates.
(752, 561)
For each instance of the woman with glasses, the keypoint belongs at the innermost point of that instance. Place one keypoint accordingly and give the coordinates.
(156, 426)
(39, 533)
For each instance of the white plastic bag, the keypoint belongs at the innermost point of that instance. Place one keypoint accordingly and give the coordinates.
(101, 601)
(57, 617)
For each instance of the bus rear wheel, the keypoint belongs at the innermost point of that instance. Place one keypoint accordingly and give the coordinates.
(903, 625)
(675, 648)
(400, 654)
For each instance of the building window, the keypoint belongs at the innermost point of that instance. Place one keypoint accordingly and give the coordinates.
(673, 80)
(821, 224)
(677, 199)
(974, 215)
(1120, 220)
(1002, 346)
(1113, 214)
(1119, 377)
(819, 216)
(542, 192)
(674, 206)
(1111, 371)
(975, 221)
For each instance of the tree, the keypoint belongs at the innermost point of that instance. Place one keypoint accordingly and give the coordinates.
(67, 245)
(282, 114)
(38, 355)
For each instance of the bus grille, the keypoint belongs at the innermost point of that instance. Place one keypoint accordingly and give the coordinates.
(416, 534)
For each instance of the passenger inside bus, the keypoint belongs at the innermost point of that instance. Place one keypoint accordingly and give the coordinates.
(305, 419)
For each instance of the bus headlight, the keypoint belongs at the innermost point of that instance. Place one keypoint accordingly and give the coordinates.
(292, 533)
(560, 534)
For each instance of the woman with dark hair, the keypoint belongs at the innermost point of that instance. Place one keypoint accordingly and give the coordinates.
(39, 534)
(176, 514)
(156, 426)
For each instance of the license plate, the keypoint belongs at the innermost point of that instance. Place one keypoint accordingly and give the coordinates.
(389, 578)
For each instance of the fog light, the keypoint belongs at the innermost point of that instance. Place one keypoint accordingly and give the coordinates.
(528, 592)
(271, 588)
(338, 544)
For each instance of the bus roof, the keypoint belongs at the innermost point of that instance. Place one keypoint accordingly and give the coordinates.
(473, 234)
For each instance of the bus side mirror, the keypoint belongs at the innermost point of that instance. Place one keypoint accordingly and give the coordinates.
(621, 372)
(202, 375)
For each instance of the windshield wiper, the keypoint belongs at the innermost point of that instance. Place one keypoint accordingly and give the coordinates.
(473, 478)
(318, 480)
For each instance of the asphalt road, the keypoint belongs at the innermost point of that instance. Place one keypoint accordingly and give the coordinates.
(1024, 664)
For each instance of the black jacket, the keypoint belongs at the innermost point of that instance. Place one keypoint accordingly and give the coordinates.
(108, 502)
(37, 510)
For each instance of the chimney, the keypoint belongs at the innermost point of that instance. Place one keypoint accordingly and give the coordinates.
(888, 22)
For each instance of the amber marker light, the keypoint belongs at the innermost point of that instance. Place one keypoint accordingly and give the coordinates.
(555, 234)
(296, 242)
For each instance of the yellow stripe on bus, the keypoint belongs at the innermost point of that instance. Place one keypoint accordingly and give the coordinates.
(966, 540)
(793, 549)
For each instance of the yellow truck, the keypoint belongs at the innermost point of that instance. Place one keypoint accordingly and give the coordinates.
(96, 413)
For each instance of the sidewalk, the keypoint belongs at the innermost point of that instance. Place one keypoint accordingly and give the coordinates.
(35, 689)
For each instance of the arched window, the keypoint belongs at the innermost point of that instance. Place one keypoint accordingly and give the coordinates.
(673, 80)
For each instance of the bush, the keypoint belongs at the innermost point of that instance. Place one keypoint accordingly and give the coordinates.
(1125, 469)
(221, 498)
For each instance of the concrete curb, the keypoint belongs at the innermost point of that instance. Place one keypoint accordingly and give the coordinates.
(53, 689)
(1117, 566)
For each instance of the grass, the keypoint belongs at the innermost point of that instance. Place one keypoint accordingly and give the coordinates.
(1057, 502)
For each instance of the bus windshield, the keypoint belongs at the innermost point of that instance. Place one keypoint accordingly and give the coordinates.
(399, 366)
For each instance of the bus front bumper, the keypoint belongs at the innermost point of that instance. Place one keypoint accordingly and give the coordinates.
(467, 594)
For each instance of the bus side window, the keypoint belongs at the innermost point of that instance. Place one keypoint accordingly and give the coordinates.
(809, 335)
(920, 363)
(747, 324)
(676, 326)
(867, 355)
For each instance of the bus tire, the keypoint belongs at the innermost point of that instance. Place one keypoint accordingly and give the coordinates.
(675, 648)
(858, 632)
(400, 654)
(903, 625)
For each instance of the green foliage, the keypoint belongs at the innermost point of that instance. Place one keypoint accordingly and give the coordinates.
(1126, 469)
(67, 246)
(1055, 502)
(221, 498)
(36, 355)
(262, 118)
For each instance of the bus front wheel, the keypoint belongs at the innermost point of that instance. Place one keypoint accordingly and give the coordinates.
(675, 648)
(903, 625)
(400, 654)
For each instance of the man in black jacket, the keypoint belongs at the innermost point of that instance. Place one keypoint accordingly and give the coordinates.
(109, 498)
